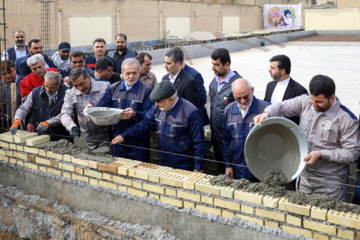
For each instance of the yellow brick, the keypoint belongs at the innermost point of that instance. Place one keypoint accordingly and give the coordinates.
(80, 178)
(13, 160)
(92, 173)
(4, 144)
(93, 181)
(66, 174)
(271, 224)
(251, 219)
(67, 158)
(79, 170)
(154, 196)
(294, 220)
(297, 231)
(42, 161)
(43, 169)
(189, 205)
(247, 209)
(3, 158)
(66, 167)
(320, 237)
(248, 197)
(136, 184)
(153, 188)
(31, 165)
(122, 188)
(205, 209)
(12, 146)
(319, 227)
(204, 186)
(270, 214)
(227, 214)
(318, 213)
(136, 192)
(346, 234)
(107, 176)
(80, 161)
(122, 180)
(285, 205)
(37, 140)
(171, 201)
(42, 153)
(227, 204)
(107, 184)
(55, 155)
(19, 148)
(344, 219)
(334, 238)
(227, 192)
(2, 152)
(31, 150)
(19, 162)
(21, 137)
(21, 156)
(54, 164)
(271, 202)
(53, 171)
(171, 192)
(188, 195)
(207, 199)
(9, 153)
(93, 164)
(7, 137)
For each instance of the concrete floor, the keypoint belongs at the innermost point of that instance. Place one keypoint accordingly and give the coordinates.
(338, 60)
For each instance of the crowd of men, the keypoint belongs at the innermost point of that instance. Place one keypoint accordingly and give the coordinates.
(55, 92)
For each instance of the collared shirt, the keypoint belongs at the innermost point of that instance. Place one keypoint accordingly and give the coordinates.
(279, 91)
(50, 97)
(88, 97)
(119, 58)
(149, 79)
(172, 79)
(19, 53)
(330, 106)
(128, 88)
(226, 80)
(246, 111)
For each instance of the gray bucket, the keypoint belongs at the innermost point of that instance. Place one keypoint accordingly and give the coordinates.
(104, 116)
(277, 144)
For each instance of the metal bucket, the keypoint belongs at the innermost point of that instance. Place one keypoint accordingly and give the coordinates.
(277, 144)
(104, 116)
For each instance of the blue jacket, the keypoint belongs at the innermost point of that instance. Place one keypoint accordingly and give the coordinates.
(137, 98)
(22, 69)
(180, 132)
(91, 61)
(202, 96)
(235, 131)
(130, 53)
(11, 53)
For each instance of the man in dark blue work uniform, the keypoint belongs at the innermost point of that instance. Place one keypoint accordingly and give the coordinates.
(133, 96)
(181, 138)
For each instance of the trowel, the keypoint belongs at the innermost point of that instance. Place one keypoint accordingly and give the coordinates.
(80, 143)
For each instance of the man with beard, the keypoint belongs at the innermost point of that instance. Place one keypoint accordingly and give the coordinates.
(61, 59)
(146, 76)
(284, 87)
(99, 47)
(332, 134)
(220, 96)
(122, 52)
(18, 50)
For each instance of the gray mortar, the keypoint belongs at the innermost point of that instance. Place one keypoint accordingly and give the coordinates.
(234, 221)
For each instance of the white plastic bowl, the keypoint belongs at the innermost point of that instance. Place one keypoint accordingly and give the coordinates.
(104, 116)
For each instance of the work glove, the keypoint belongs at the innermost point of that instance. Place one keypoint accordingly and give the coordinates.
(30, 127)
(43, 127)
(75, 132)
(15, 126)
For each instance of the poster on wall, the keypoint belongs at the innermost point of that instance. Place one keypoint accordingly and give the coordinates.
(282, 17)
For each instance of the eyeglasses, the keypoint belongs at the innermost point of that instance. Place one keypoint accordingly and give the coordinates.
(245, 98)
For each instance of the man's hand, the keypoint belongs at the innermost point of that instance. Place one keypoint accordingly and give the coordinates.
(127, 114)
(312, 157)
(43, 127)
(117, 140)
(15, 126)
(260, 118)
(229, 172)
(200, 171)
(67, 81)
(75, 132)
(30, 127)
(87, 106)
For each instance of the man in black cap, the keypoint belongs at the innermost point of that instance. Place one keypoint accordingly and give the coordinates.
(181, 138)
(61, 59)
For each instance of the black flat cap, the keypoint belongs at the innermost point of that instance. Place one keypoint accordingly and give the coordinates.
(163, 90)
(64, 46)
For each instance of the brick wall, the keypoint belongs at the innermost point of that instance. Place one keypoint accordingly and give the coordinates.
(182, 189)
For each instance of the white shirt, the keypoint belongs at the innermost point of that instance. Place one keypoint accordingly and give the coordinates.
(279, 91)
(172, 79)
(242, 111)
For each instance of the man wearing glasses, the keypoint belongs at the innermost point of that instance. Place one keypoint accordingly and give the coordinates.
(237, 122)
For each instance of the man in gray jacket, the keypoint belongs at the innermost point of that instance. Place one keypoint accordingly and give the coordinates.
(332, 134)
(85, 91)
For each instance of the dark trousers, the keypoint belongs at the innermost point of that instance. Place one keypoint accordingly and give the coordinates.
(218, 151)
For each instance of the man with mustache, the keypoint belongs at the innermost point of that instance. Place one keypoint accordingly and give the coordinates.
(122, 52)
(18, 50)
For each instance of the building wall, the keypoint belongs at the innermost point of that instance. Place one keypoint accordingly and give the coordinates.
(332, 19)
(348, 3)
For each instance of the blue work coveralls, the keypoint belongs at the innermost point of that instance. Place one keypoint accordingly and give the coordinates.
(138, 99)
(181, 138)
(235, 131)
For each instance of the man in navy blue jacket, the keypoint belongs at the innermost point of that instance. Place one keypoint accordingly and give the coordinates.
(181, 138)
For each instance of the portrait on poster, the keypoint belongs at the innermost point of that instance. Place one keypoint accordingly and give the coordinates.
(279, 16)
